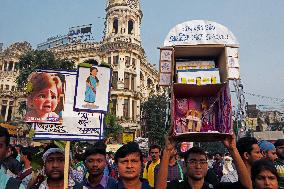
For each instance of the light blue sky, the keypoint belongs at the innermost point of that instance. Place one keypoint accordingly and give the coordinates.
(257, 24)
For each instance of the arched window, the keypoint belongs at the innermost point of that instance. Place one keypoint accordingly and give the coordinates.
(130, 27)
(115, 26)
(149, 82)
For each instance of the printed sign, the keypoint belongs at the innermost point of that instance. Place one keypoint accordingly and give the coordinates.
(72, 125)
(93, 89)
(166, 55)
(165, 79)
(127, 137)
(199, 32)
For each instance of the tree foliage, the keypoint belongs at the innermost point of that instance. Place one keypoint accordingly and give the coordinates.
(154, 118)
(113, 128)
(34, 60)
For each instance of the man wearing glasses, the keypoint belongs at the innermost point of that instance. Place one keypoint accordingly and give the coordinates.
(197, 166)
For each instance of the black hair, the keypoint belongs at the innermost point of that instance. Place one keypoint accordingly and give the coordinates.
(91, 69)
(4, 133)
(218, 153)
(94, 150)
(245, 145)
(14, 153)
(28, 151)
(279, 142)
(194, 150)
(126, 149)
(261, 165)
(154, 146)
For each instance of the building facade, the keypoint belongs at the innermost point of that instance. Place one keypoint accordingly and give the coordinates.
(133, 78)
(10, 96)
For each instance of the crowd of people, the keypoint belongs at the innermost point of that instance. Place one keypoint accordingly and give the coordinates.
(248, 164)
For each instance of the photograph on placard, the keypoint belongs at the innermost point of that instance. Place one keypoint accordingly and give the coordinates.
(45, 97)
(92, 89)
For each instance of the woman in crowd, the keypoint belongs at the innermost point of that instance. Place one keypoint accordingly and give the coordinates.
(264, 175)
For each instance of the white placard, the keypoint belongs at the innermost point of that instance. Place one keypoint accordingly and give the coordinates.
(165, 79)
(74, 125)
(232, 52)
(166, 66)
(166, 55)
(199, 32)
(92, 92)
(233, 62)
(233, 73)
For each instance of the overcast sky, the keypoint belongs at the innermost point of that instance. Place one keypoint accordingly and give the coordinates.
(257, 24)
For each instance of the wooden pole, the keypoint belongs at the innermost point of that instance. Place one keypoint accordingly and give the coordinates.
(66, 165)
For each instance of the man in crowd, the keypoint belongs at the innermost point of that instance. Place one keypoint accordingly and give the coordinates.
(26, 157)
(197, 166)
(54, 159)
(12, 165)
(155, 152)
(95, 162)
(175, 170)
(5, 180)
(249, 151)
(218, 165)
(129, 160)
(268, 150)
(279, 163)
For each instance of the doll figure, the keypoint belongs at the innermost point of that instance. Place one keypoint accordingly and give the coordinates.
(43, 98)
(194, 120)
(92, 83)
(193, 115)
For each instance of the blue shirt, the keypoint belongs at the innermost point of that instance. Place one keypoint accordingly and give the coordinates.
(145, 184)
(106, 182)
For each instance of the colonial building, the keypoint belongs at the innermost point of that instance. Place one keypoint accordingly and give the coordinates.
(133, 78)
(10, 96)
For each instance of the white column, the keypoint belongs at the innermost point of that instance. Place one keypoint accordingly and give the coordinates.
(13, 66)
(7, 109)
(130, 108)
(119, 110)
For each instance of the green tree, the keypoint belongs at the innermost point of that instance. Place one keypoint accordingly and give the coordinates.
(33, 60)
(113, 128)
(154, 118)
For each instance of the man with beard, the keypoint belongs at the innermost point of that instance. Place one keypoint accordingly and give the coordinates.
(279, 163)
(129, 160)
(197, 166)
(95, 162)
(54, 159)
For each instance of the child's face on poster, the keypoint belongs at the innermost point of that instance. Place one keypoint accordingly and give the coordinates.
(46, 100)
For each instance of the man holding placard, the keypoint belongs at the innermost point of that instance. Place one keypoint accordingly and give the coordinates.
(54, 160)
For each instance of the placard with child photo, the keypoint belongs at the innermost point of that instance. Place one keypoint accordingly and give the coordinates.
(45, 98)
